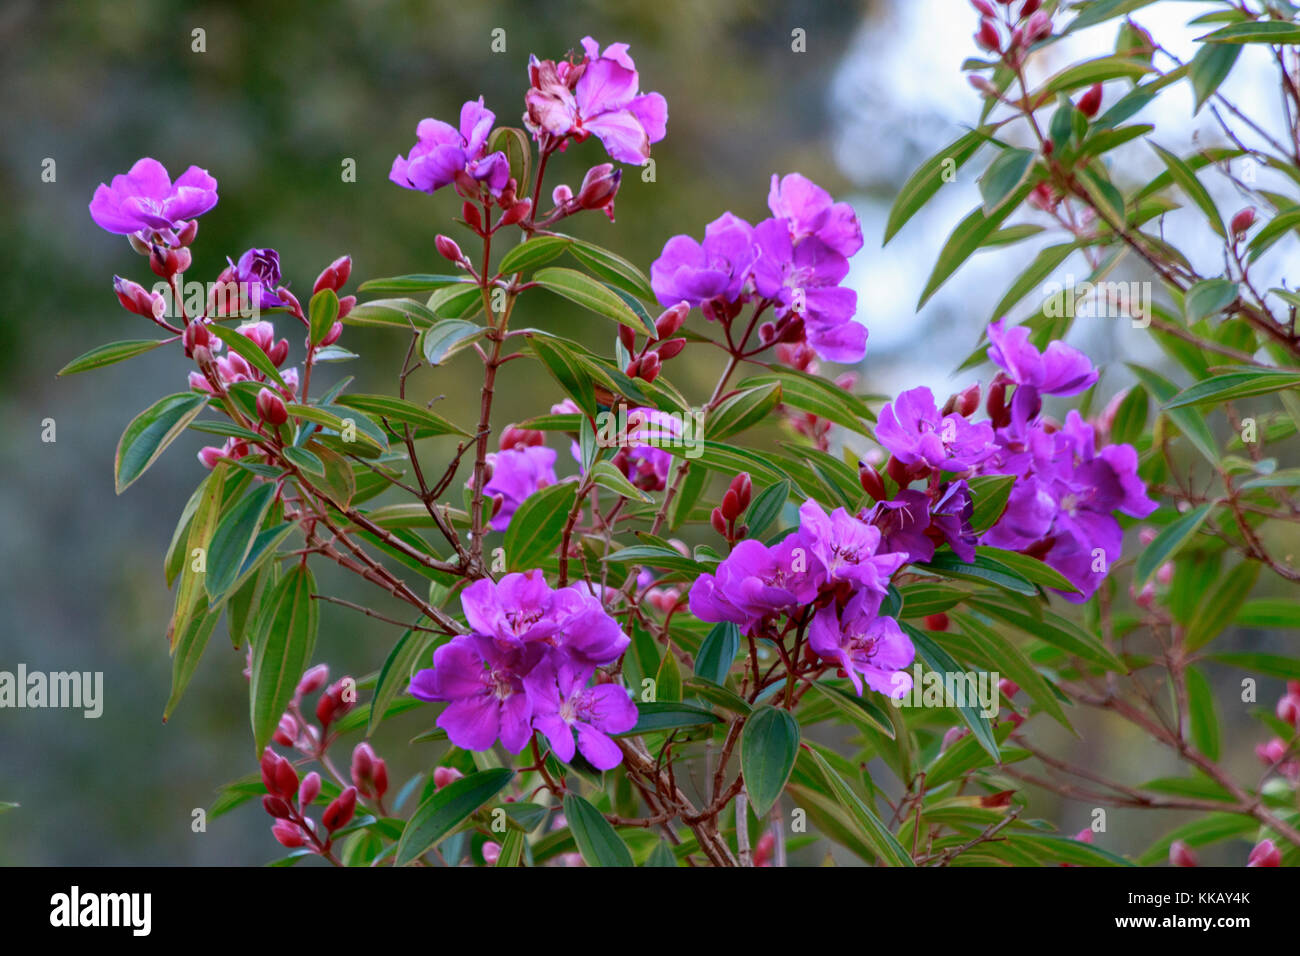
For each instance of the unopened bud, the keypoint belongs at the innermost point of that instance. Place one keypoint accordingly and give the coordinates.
(1288, 709)
(1090, 102)
(469, 212)
(987, 36)
(196, 334)
(731, 509)
(277, 807)
(1265, 854)
(445, 775)
(561, 195)
(309, 790)
(871, 481)
(491, 853)
(333, 335)
(670, 348)
(340, 811)
(650, 366)
(671, 320)
(186, 234)
(1243, 221)
(1180, 854)
(599, 186)
(517, 212)
(289, 834)
(936, 622)
(448, 249)
(312, 680)
(627, 335)
(270, 408)
(334, 276)
(718, 521)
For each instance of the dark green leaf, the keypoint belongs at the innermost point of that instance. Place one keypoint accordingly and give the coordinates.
(447, 809)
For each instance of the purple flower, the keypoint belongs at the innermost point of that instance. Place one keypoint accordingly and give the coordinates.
(563, 705)
(1061, 370)
(600, 95)
(903, 522)
(516, 474)
(846, 548)
(260, 269)
(697, 272)
(756, 583)
(912, 429)
(442, 151)
(951, 515)
(484, 690)
(146, 200)
(868, 647)
(804, 279)
(809, 211)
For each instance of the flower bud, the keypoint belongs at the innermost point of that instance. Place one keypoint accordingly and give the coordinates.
(951, 736)
(292, 304)
(185, 235)
(1038, 27)
(445, 775)
(286, 779)
(599, 186)
(984, 7)
(469, 212)
(289, 834)
(1030, 7)
(1288, 709)
(312, 680)
(936, 622)
(517, 212)
(1000, 799)
(135, 297)
(650, 366)
(627, 335)
(1243, 221)
(671, 320)
(270, 408)
(1009, 688)
(719, 523)
(968, 400)
(1265, 854)
(277, 807)
(331, 704)
(731, 509)
(334, 276)
(1271, 752)
(196, 334)
(333, 335)
(339, 812)
(309, 790)
(284, 732)
(1180, 854)
(987, 36)
(670, 348)
(346, 305)
(1090, 102)
(278, 352)
(491, 853)
(561, 195)
(369, 774)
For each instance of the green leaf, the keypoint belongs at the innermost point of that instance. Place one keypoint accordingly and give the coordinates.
(1130, 417)
(1274, 664)
(190, 643)
(769, 744)
(1185, 177)
(1208, 298)
(367, 433)
(875, 832)
(661, 856)
(447, 809)
(1031, 569)
(1202, 720)
(718, 652)
(983, 569)
(1004, 175)
(531, 253)
(322, 312)
(606, 475)
(1167, 543)
(654, 556)
(1209, 68)
(1042, 266)
(248, 350)
(766, 508)
(590, 294)
(1234, 385)
(1221, 606)
(456, 302)
(812, 393)
(939, 661)
(446, 337)
(1011, 662)
(396, 673)
(1274, 229)
(1088, 72)
(402, 412)
(1267, 612)
(233, 540)
(512, 849)
(668, 681)
(399, 313)
(537, 527)
(409, 284)
(612, 268)
(1274, 32)
(1191, 424)
(108, 354)
(564, 367)
(282, 649)
(929, 176)
(150, 432)
(1055, 630)
(989, 494)
(743, 410)
(971, 233)
(862, 711)
(598, 842)
(655, 716)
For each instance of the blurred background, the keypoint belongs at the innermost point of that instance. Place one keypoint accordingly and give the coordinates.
(281, 96)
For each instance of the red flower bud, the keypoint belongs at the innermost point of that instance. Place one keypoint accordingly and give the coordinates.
(136, 298)
(987, 36)
(984, 7)
(633, 369)
(743, 486)
(333, 335)
(334, 276)
(469, 212)
(346, 305)
(871, 481)
(1265, 854)
(650, 366)
(719, 523)
(627, 335)
(445, 775)
(309, 789)
(1288, 709)
(277, 807)
(670, 321)
(270, 407)
(517, 212)
(1009, 688)
(599, 186)
(1030, 7)
(670, 348)
(968, 400)
(491, 853)
(731, 509)
(312, 680)
(1181, 855)
(936, 622)
(286, 779)
(289, 834)
(278, 352)
(1243, 221)
(1090, 102)
(340, 811)
(196, 334)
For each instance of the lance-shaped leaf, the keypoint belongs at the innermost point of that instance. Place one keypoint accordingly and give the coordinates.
(151, 432)
(447, 809)
(398, 313)
(445, 338)
(409, 284)
(746, 408)
(930, 175)
(537, 527)
(1185, 177)
(718, 652)
(531, 253)
(591, 295)
(769, 744)
(323, 312)
(233, 539)
(598, 842)
(400, 412)
(108, 354)
(1167, 543)
(872, 829)
(286, 638)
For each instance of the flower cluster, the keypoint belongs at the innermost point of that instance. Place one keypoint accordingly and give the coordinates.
(526, 665)
(793, 263)
(831, 568)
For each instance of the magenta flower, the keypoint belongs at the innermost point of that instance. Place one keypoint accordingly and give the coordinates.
(145, 200)
(1059, 370)
(846, 548)
(600, 95)
(697, 272)
(912, 429)
(870, 648)
(951, 516)
(484, 691)
(563, 705)
(903, 522)
(442, 151)
(757, 583)
(260, 269)
(808, 210)
(516, 474)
